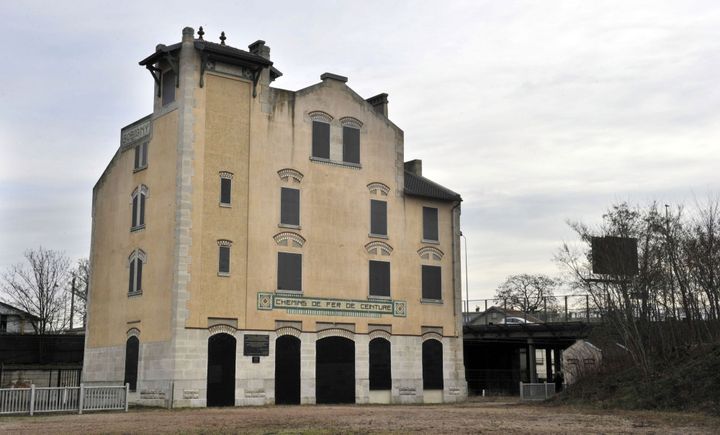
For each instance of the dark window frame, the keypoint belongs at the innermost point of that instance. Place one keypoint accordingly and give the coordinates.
(320, 132)
(224, 260)
(351, 149)
(225, 191)
(378, 228)
(139, 201)
(168, 83)
(286, 282)
(290, 207)
(430, 230)
(433, 293)
(379, 279)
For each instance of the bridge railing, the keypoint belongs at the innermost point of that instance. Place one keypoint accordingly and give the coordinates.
(565, 308)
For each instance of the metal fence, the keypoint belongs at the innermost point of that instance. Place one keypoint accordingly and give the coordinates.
(536, 391)
(63, 399)
(564, 308)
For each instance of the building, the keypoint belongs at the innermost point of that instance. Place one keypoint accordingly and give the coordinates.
(253, 245)
(15, 321)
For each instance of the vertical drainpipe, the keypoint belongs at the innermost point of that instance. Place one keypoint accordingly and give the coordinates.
(453, 214)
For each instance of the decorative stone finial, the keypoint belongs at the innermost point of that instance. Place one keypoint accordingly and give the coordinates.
(201, 32)
(222, 38)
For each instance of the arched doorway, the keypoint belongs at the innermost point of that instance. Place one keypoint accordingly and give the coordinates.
(335, 370)
(287, 370)
(132, 353)
(380, 374)
(221, 370)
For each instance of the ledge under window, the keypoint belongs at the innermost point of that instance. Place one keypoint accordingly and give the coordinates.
(293, 227)
(379, 236)
(379, 298)
(225, 205)
(141, 168)
(289, 292)
(133, 294)
(335, 162)
(431, 301)
(430, 242)
(223, 274)
(137, 228)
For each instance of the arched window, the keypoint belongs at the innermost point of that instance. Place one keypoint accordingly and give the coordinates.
(132, 353)
(380, 373)
(432, 364)
(136, 261)
(138, 196)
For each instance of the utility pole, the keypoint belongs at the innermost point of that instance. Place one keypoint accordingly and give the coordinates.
(72, 301)
(467, 291)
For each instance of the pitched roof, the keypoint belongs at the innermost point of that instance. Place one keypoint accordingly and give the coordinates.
(420, 186)
(18, 311)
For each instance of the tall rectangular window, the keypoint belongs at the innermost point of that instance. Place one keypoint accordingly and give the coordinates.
(225, 188)
(224, 260)
(136, 270)
(3, 323)
(168, 87)
(351, 145)
(289, 206)
(141, 156)
(289, 274)
(378, 217)
(430, 223)
(379, 278)
(431, 282)
(321, 139)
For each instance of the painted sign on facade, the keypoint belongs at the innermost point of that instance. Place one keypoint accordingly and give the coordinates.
(330, 307)
(136, 132)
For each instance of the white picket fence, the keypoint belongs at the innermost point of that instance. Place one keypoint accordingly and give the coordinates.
(536, 391)
(63, 399)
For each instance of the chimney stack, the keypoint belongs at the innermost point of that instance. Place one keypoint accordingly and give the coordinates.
(258, 47)
(414, 167)
(380, 103)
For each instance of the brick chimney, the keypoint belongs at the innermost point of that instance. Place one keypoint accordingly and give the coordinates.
(380, 103)
(258, 47)
(414, 167)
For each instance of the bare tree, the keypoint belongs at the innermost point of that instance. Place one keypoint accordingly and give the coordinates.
(38, 286)
(78, 288)
(528, 293)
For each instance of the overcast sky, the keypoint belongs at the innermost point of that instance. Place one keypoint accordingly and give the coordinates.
(536, 112)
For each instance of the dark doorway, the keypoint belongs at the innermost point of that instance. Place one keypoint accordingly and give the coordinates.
(221, 370)
(432, 365)
(287, 370)
(132, 351)
(380, 375)
(335, 370)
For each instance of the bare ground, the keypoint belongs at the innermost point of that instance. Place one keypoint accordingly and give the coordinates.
(486, 416)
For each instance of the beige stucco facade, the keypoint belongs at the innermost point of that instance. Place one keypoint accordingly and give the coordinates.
(227, 119)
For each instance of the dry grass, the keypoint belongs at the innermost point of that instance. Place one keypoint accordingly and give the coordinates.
(486, 416)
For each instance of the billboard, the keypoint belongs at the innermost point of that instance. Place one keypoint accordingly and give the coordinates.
(614, 256)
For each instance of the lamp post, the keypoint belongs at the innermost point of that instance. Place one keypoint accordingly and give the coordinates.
(467, 292)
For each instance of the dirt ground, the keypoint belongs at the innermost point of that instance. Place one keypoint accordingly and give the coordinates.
(486, 416)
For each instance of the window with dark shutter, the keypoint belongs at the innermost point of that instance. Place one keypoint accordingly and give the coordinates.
(131, 286)
(432, 365)
(224, 260)
(138, 157)
(351, 145)
(289, 206)
(138, 271)
(289, 276)
(168, 87)
(141, 214)
(431, 282)
(378, 217)
(321, 139)
(380, 373)
(430, 223)
(134, 211)
(225, 189)
(379, 278)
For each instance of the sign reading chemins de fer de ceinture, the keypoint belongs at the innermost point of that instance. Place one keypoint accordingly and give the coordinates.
(295, 304)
